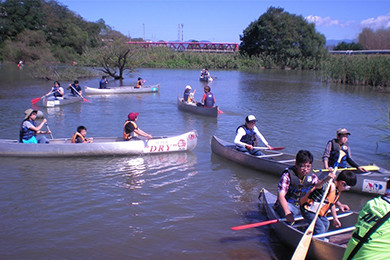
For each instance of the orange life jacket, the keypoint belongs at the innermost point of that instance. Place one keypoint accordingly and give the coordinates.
(331, 199)
(75, 136)
(128, 136)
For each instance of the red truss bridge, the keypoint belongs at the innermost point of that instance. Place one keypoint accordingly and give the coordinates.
(191, 46)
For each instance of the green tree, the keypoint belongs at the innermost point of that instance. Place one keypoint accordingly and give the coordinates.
(343, 46)
(282, 36)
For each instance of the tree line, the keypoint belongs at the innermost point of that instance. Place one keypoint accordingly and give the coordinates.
(47, 32)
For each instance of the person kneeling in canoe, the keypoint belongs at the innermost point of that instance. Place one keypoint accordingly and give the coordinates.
(310, 202)
(131, 130)
(29, 129)
(75, 89)
(79, 136)
(57, 91)
(188, 97)
(139, 83)
(208, 98)
(246, 136)
(294, 183)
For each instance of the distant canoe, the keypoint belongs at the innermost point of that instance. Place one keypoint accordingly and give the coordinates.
(275, 162)
(51, 101)
(206, 78)
(101, 146)
(193, 108)
(121, 90)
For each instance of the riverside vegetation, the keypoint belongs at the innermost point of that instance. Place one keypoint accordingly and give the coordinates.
(46, 33)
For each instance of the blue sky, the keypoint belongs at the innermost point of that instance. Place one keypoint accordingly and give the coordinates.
(225, 20)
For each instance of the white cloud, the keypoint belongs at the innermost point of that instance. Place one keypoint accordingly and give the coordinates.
(322, 21)
(382, 21)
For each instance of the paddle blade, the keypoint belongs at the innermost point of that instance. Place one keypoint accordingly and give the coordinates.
(220, 111)
(86, 100)
(277, 148)
(259, 224)
(35, 100)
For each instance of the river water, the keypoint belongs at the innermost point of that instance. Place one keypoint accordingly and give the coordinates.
(169, 206)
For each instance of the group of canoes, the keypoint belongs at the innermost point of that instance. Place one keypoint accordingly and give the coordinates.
(134, 140)
(305, 198)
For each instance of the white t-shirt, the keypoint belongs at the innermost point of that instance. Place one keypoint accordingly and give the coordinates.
(241, 132)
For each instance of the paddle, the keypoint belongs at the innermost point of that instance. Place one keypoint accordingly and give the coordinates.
(48, 129)
(78, 93)
(36, 100)
(272, 148)
(367, 168)
(304, 244)
(220, 111)
(272, 221)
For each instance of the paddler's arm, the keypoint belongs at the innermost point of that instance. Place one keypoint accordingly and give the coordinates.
(336, 221)
(284, 204)
(142, 133)
(37, 129)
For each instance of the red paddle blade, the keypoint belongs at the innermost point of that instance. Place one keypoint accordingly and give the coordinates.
(86, 100)
(259, 224)
(277, 148)
(35, 100)
(220, 111)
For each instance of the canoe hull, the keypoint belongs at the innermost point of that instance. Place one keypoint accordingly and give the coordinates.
(199, 110)
(68, 99)
(289, 235)
(206, 79)
(102, 146)
(122, 90)
(372, 182)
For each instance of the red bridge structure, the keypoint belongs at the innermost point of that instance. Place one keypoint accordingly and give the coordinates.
(191, 46)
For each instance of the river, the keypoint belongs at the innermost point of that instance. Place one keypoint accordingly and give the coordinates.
(169, 206)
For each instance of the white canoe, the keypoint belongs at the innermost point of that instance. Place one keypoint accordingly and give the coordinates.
(102, 146)
(51, 101)
(121, 90)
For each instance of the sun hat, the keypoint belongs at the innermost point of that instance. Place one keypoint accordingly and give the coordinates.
(250, 118)
(343, 131)
(132, 116)
(28, 112)
(188, 87)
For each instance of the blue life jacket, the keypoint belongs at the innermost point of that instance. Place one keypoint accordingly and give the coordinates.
(55, 92)
(249, 137)
(103, 83)
(186, 95)
(334, 154)
(26, 133)
(297, 189)
(209, 100)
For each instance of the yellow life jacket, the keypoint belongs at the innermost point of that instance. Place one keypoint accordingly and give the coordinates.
(128, 136)
(75, 136)
(139, 84)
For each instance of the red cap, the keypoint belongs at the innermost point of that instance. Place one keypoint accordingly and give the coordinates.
(132, 116)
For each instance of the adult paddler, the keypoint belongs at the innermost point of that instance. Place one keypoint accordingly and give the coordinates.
(131, 130)
(29, 128)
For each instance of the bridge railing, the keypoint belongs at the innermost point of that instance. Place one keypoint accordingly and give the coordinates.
(191, 46)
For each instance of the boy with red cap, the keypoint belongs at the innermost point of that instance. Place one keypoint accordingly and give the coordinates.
(131, 130)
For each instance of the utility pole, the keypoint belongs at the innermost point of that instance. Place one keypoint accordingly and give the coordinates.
(182, 32)
(178, 32)
(143, 25)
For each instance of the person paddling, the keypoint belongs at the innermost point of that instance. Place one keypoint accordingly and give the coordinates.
(247, 135)
(103, 82)
(57, 91)
(131, 130)
(188, 97)
(140, 82)
(75, 89)
(208, 98)
(310, 202)
(333, 148)
(80, 136)
(29, 129)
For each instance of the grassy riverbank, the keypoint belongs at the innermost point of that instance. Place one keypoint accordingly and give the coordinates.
(368, 70)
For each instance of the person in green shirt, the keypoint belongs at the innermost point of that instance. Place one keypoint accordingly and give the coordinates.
(377, 245)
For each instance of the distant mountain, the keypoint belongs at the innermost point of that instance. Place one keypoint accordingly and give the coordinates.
(335, 42)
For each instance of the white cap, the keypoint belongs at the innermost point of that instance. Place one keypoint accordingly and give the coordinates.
(188, 87)
(250, 118)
